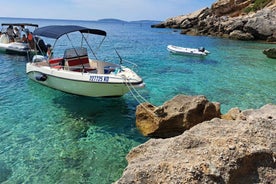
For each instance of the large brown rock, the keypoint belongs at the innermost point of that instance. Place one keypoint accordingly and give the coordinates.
(217, 151)
(228, 7)
(174, 116)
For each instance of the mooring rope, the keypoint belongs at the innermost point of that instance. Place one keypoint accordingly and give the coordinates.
(134, 92)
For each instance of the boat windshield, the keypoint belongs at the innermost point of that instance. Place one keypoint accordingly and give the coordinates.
(75, 52)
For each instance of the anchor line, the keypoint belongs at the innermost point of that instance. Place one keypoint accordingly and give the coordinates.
(136, 95)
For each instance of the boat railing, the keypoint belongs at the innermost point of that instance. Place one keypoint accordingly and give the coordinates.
(130, 64)
(135, 65)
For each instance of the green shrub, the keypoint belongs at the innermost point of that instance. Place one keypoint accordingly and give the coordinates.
(248, 9)
(257, 5)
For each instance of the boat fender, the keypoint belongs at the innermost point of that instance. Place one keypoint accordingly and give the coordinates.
(41, 77)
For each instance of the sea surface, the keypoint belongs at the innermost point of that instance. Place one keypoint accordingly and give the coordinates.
(47, 136)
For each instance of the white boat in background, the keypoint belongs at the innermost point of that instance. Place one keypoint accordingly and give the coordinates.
(11, 42)
(187, 51)
(75, 72)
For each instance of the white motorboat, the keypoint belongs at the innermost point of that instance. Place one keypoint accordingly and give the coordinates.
(75, 72)
(12, 43)
(188, 51)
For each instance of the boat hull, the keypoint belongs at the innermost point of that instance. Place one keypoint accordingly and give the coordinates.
(78, 83)
(15, 48)
(186, 51)
(75, 72)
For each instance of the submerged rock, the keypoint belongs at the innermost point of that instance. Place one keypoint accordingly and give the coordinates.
(217, 151)
(5, 172)
(270, 53)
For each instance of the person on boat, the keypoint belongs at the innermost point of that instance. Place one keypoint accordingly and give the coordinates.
(22, 28)
(30, 39)
(10, 33)
(49, 51)
(24, 39)
(17, 34)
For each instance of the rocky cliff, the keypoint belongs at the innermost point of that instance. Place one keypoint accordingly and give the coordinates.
(235, 19)
(239, 150)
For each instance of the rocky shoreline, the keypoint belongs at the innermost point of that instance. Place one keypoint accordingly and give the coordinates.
(237, 147)
(227, 18)
(191, 141)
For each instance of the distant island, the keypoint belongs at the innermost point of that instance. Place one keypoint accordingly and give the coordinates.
(147, 21)
(112, 20)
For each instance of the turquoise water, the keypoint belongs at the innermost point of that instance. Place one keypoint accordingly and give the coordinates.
(51, 137)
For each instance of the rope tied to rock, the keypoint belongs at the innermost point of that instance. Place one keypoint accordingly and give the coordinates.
(137, 96)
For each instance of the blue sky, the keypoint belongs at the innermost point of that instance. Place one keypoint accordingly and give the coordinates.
(99, 9)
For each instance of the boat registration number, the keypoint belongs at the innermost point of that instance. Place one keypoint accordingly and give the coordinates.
(99, 79)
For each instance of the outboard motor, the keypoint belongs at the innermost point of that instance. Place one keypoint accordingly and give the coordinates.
(201, 49)
(38, 58)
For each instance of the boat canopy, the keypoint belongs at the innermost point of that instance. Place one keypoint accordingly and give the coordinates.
(19, 24)
(56, 31)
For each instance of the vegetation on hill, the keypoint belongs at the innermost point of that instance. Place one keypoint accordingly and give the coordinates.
(257, 5)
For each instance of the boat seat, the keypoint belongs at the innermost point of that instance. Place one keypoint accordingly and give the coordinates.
(79, 64)
(56, 63)
(76, 59)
